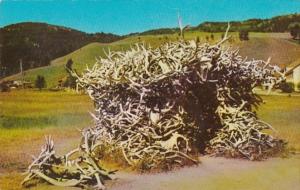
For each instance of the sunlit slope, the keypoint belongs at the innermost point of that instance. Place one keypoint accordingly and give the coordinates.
(281, 51)
(260, 46)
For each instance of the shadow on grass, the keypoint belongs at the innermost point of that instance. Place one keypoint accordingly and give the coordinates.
(10, 122)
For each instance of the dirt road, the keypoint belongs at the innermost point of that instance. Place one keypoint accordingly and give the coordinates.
(219, 173)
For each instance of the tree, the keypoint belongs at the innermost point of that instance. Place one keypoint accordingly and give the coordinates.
(69, 64)
(4, 87)
(244, 35)
(294, 29)
(71, 80)
(40, 82)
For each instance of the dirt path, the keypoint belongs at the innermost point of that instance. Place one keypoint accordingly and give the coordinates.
(211, 174)
(219, 173)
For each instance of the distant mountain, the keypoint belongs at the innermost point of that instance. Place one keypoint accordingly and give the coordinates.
(275, 24)
(36, 44)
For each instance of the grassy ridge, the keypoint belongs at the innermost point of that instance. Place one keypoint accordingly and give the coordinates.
(260, 46)
(86, 56)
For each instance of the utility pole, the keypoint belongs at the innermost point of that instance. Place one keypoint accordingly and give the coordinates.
(21, 71)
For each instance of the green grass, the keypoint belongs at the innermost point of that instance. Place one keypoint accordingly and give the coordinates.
(26, 117)
(27, 109)
(282, 112)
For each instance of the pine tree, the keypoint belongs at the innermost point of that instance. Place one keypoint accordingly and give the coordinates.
(40, 82)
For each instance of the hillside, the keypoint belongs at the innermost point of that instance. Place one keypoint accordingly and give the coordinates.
(281, 51)
(275, 24)
(36, 44)
(260, 46)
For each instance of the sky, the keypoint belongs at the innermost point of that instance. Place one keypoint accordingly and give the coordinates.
(128, 16)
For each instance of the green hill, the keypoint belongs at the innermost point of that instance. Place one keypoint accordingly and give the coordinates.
(36, 44)
(260, 46)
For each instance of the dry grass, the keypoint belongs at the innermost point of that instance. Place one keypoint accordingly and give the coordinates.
(281, 51)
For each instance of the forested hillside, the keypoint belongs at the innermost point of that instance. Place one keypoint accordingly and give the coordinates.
(36, 44)
(275, 24)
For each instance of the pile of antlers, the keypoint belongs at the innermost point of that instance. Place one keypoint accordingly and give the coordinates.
(162, 106)
(78, 168)
(242, 135)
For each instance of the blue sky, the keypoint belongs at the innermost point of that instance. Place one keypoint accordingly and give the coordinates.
(126, 16)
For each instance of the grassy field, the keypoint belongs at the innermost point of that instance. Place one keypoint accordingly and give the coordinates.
(260, 46)
(26, 116)
(282, 112)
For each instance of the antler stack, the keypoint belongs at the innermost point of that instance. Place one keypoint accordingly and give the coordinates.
(161, 106)
(165, 104)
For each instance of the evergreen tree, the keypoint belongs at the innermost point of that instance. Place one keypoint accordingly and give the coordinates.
(40, 82)
(70, 81)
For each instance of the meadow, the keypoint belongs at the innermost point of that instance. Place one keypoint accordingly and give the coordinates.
(27, 116)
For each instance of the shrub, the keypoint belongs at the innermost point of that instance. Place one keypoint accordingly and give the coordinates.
(40, 82)
(295, 30)
(286, 87)
(4, 87)
(244, 35)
